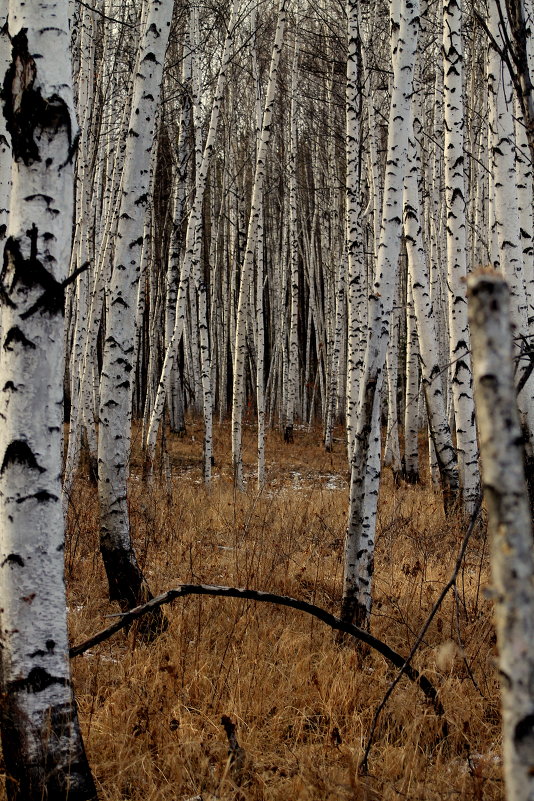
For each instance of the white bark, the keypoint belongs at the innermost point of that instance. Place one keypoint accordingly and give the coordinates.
(293, 346)
(191, 267)
(426, 329)
(42, 748)
(125, 581)
(462, 392)
(357, 585)
(250, 249)
(509, 524)
(411, 401)
(505, 204)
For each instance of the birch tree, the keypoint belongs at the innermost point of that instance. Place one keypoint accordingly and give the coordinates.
(191, 268)
(356, 278)
(509, 524)
(504, 201)
(250, 249)
(364, 481)
(454, 120)
(439, 429)
(126, 582)
(42, 748)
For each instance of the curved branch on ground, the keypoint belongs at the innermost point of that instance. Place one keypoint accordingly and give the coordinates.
(335, 623)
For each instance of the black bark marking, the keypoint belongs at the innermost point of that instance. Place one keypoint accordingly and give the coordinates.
(19, 452)
(41, 497)
(25, 109)
(37, 680)
(524, 732)
(13, 559)
(9, 386)
(15, 337)
(126, 365)
(30, 272)
(27, 274)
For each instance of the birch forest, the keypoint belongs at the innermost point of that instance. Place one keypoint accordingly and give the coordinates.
(267, 400)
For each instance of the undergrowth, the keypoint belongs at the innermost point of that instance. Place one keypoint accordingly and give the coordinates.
(303, 706)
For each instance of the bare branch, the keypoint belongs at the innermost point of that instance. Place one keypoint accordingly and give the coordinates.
(335, 623)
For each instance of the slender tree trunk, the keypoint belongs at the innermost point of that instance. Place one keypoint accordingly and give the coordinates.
(411, 403)
(427, 331)
(356, 602)
(293, 345)
(238, 392)
(126, 581)
(462, 391)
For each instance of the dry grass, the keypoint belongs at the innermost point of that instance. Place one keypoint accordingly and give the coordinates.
(151, 715)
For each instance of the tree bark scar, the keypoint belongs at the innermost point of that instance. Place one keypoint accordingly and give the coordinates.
(37, 680)
(41, 497)
(19, 452)
(13, 559)
(29, 273)
(61, 773)
(25, 109)
(15, 337)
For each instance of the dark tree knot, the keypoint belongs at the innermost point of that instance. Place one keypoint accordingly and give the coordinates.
(19, 452)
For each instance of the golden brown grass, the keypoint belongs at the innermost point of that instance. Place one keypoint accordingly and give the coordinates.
(151, 715)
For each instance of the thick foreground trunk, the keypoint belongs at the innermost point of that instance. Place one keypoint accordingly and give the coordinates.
(509, 524)
(43, 751)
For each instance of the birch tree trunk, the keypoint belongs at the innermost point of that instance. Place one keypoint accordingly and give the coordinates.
(250, 249)
(411, 401)
(42, 747)
(358, 572)
(426, 329)
(506, 219)
(356, 278)
(293, 346)
(191, 267)
(126, 582)
(509, 524)
(462, 392)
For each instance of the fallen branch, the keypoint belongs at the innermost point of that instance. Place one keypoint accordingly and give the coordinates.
(335, 623)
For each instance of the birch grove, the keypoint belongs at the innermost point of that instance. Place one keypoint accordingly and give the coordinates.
(275, 209)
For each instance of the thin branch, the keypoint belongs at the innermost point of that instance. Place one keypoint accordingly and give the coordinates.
(407, 666)
(335, 623)
(105, 16)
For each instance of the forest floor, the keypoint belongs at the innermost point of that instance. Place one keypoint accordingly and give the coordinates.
(303, 706)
